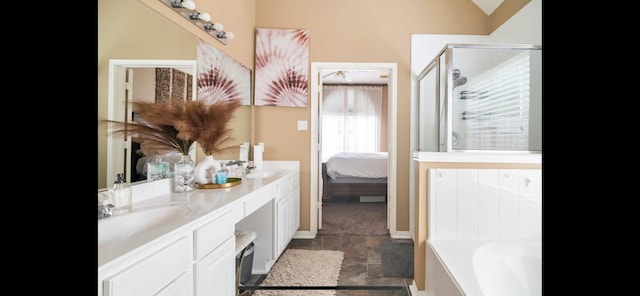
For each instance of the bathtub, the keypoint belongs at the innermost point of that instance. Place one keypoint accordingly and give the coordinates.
(484, 268)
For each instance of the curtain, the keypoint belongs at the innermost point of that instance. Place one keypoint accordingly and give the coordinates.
(351, 119)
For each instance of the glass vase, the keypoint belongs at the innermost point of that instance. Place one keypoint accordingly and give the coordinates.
(184, 178)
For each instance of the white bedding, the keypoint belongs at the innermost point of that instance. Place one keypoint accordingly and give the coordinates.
(358, 164)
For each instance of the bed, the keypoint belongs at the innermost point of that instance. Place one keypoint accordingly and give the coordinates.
(355, 174)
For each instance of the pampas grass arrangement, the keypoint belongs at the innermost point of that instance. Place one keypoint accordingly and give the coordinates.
(177, 126)
(208, 124)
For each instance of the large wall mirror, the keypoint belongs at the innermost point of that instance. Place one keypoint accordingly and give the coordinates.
(132, 81)
(131, 47)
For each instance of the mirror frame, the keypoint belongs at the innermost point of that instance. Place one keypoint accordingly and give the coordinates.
(115, 93)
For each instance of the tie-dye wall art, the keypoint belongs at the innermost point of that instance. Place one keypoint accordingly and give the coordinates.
(282, 67)
(220, 77)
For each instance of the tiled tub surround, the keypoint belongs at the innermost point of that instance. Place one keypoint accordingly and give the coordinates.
(199, 247)
(485, 231)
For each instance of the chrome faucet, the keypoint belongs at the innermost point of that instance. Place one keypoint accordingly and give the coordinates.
(234, 162)
(250, 167)
(104, 209)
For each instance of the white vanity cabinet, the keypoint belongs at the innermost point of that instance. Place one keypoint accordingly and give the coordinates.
(197, 256)
(287, 211)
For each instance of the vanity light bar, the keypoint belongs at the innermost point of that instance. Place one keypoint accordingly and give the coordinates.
(186, 8)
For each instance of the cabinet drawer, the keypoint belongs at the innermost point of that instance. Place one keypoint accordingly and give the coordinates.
(283, 188)
(151, 274)
(214, 233)
(258, 201)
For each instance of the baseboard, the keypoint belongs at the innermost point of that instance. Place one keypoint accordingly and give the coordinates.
(413, 289)
(304, 235)
(401, 234)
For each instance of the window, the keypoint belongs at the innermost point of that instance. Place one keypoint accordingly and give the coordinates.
(351, 118)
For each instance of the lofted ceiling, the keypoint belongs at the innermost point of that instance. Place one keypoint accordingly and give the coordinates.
(488, 6)
(353, 76)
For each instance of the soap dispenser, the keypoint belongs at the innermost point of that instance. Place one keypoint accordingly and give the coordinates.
(120, 196)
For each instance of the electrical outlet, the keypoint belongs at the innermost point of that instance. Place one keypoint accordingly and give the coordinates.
(302, 125)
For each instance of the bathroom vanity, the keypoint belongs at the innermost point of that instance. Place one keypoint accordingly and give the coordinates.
(184, 243)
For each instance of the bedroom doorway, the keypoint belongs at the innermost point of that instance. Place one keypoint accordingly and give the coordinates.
(320, 72)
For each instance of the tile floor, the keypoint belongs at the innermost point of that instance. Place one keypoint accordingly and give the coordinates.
(361, 272)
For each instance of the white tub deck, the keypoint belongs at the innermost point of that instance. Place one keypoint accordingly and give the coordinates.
(456, 256)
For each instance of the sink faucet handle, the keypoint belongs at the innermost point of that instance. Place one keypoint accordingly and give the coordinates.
(250, 167)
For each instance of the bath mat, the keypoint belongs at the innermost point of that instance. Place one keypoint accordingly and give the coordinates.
(397, 258)
(297, 267)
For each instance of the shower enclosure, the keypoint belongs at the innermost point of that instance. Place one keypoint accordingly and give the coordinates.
(481, 97)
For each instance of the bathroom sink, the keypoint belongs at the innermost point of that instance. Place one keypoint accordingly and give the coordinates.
(261, 174)
(138, 221)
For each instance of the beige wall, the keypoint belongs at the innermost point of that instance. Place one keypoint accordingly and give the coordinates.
(340, 31)
(358, 31)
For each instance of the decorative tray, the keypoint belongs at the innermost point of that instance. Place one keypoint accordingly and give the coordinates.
(230, 183)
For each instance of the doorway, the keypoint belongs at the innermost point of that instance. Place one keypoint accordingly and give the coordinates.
(317, 70)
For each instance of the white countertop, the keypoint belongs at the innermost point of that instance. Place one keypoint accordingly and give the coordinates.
(201, 202)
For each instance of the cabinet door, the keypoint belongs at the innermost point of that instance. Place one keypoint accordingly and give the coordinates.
(151, 274)
(180, 287)
(282, 226)
(295, 197)
(215, 273)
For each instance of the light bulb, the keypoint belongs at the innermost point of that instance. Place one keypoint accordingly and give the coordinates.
(215, 27)
(204, 16)
(228, 35)
(188, 4)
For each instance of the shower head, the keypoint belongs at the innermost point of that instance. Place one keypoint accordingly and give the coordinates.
(459, 81)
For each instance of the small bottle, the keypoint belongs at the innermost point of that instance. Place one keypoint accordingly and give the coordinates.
(120, 196)
(221, 175)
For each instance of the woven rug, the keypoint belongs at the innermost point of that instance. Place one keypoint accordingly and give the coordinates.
(297, 268)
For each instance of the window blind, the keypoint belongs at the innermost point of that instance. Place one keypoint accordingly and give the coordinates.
(496, 107)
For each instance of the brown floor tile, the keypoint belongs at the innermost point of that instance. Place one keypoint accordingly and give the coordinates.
(374, 256)
(353, 274)
(377, 278)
